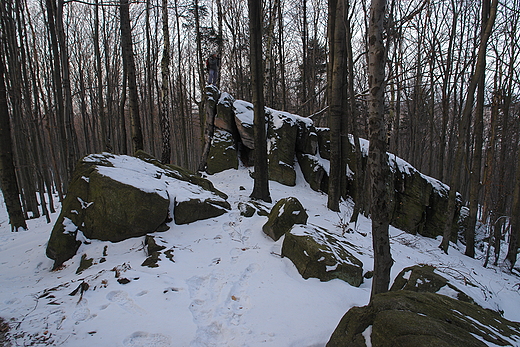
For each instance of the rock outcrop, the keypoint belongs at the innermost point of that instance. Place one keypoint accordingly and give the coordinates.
(411, 319)
(116, 197)
(285, 214)
(417, 202)
(320, 254)
(422, 278)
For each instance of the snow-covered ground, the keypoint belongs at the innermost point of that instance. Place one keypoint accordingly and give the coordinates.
(226, 286)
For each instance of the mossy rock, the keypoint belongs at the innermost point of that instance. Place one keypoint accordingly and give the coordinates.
(323, 142)
(244, 121)
(411, 319)
(313, 172)
(222, 153)
(246, 210)
(225, 116)
(285, 213)
(109, 199)
(412, 196)
(422, 278)
(306, 139)
(181, 173)
(119, 211)
(103, 208)
(281, 147)
(320, 254)
(84, 263)
(192, 210)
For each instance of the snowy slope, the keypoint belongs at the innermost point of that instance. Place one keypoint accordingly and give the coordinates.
(226, 286)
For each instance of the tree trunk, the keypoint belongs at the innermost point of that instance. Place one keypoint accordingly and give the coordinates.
(377, 157)
(70, 132)
(261, 177)
(165, 91)
(105, 133)
(477, 150)
(458, 164)
(515, 219)
(8, 181)
(129, 62)
(337, 105)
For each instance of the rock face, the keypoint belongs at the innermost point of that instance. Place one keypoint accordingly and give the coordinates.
(410, 319)
(281, 147)
(225, 117)
(244, 121)
(222, 153)
(320, 254)
(314, 171)
(417, 202)
(422, 278)
(285, 213)
(116, 197)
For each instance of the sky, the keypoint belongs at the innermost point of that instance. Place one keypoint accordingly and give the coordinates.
(226, 284)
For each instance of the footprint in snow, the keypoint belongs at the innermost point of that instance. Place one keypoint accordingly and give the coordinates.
(145, 339)
(121, 298)
(218, 303)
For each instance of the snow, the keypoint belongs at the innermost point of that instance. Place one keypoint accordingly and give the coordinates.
(244, 111)
(367, 335)
(226, 286)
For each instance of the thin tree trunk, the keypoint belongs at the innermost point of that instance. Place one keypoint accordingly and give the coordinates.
(261, 177)
(464, 128)
(70, 132)
(515, 219)
(478, 126)
(165, 92)
(337, 106)
(129, 62)
(377, 157)
(8, 181)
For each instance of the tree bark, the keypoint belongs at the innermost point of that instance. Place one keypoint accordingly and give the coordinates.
(337, 104)
(8, 181)
(515, 219)
(377, 156)
(165, 92)
(129, 62)
(261, 177)
(477, 150)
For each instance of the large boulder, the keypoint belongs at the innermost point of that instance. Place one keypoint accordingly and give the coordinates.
(323, 135)
(422, 278)
(222, 153)
(314, 171)
(281, 147)
(116, 197)
(225, 115)
(285, 213)
(411, 319)
(244, 116)
(419, 202)
(320, 254)
(192, 210)
(307, 139)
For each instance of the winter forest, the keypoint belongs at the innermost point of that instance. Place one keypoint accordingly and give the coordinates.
(80, 77)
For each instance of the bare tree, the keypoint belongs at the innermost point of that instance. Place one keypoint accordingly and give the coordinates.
(261, 177)
(8, 180)
(165, 93)
(377, 157)
(464, 126)
(337, 104)
(129, 62)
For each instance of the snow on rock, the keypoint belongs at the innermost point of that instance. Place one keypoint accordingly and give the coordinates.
(225, 284)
